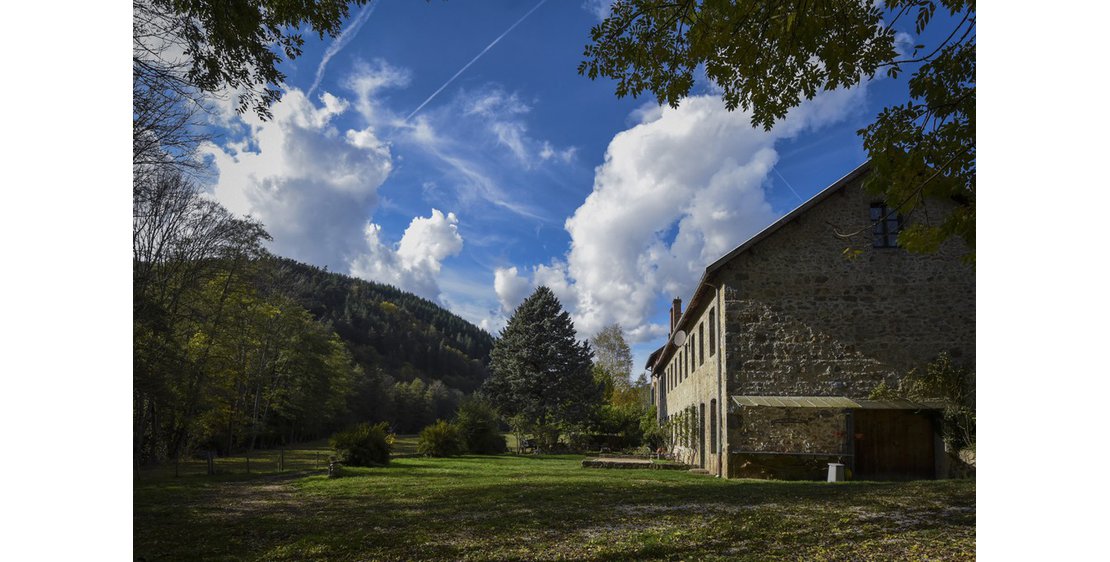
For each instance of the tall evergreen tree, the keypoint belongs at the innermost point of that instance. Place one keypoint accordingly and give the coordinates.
(540, 373)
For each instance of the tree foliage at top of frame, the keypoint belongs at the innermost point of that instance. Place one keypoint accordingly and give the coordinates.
(232, 45)
(768, 56)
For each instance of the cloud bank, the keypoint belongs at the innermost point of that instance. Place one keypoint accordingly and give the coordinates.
(315, 185)
(675, 192)
(415, 263)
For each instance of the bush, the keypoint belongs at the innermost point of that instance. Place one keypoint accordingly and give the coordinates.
(477, 423)
(441, 439)
(943, 382)
(363, 445)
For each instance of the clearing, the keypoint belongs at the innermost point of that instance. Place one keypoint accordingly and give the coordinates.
(539, 508)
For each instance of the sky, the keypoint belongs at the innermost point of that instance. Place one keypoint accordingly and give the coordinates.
(452, 150)
(69, 226)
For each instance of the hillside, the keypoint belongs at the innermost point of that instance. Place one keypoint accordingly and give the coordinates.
(387, 330)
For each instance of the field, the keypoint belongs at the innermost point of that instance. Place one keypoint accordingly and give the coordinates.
(536, 508)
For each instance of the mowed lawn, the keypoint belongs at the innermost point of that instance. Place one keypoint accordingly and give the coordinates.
(544, 508)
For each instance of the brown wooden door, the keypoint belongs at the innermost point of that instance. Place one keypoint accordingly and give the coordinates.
(893, 445)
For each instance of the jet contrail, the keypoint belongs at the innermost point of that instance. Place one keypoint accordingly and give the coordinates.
(473, 60)
(773, 169)
(345, 37)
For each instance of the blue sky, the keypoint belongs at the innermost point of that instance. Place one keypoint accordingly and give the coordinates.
(517, 172)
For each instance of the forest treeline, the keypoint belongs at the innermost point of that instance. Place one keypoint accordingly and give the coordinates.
(236, 349)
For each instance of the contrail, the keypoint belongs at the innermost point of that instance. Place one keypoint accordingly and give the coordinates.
(473, 60)
(345, 37)
(775, 170)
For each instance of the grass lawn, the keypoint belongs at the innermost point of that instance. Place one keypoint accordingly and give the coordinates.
(543, 508)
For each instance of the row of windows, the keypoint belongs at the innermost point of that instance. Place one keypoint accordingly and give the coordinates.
(692, 355)
(686, 425)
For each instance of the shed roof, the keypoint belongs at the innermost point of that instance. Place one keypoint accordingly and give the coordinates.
(831, 402)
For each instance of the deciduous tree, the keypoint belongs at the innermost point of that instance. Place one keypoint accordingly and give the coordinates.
(612, 354)
(767, 56)
(214, 46)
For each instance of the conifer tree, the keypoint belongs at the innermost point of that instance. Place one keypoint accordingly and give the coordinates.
(540, 373)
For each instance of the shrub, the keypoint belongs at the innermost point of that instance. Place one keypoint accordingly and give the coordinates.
(441, 439)
(363, 445)
(655, 435)
(478, 423)
(951, 386)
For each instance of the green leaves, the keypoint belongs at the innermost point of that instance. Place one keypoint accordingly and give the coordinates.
(767, 57)
(540, 373)
(235, 45)
(925, 149)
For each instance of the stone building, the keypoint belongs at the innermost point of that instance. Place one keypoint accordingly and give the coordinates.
(768, 370)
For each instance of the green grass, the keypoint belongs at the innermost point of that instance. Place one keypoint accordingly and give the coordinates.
(298, 458)
(544, 508)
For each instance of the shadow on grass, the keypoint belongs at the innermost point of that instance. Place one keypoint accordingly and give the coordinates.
(511, 508)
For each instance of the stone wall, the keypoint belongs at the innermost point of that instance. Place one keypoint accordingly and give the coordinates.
(802, 319)
(703, 384)
(785, 443)
(788, 430)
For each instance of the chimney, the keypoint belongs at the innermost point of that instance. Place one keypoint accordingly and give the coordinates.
(676, 312)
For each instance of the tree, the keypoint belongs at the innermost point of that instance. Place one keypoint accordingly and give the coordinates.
(441, 439)
(478, 423)
(612, 354)
(767, 56)
(213, 46)
(188, 253)
(540, 374)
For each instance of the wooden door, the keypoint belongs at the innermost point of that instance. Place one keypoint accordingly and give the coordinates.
(893, 445)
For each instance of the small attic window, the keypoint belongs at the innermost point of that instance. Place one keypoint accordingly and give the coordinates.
(886, 224)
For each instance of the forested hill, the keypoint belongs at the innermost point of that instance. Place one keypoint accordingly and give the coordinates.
(389, 331)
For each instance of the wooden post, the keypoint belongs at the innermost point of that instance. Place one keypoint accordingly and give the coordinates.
(248, 462)
(211, 468)
(281, 461)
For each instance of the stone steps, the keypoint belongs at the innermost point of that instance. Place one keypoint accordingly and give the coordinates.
(631, 463)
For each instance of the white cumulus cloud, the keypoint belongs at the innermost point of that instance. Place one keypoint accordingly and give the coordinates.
(511, 288)
(414, 264)
(675, 192)
(312, 184)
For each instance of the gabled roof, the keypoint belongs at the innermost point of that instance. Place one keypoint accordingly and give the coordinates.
(788, 217)
(654, 355)
(703, 284)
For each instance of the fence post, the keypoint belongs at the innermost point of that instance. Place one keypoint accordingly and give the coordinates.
(211, 468)
(281, 461)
